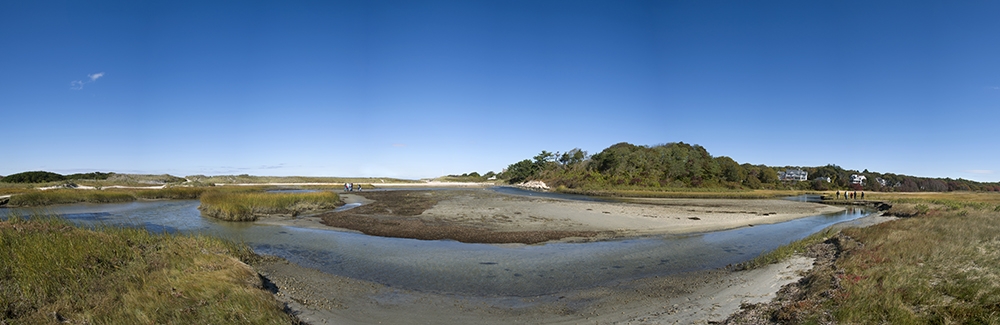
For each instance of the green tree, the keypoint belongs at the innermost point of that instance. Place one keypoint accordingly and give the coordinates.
(731, 170)
(521, 171)
(33, 177)
(572, 157)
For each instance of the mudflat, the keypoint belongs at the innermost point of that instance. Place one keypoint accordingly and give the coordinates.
(485, 216)
(694, 298)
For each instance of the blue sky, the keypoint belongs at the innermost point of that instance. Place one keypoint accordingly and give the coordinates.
(417, 89)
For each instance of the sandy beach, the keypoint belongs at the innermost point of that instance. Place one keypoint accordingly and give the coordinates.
(691, 298)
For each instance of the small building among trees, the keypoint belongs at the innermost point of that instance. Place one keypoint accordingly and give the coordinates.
(793, 175)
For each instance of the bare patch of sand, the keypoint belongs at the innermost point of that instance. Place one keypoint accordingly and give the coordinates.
(634, 217)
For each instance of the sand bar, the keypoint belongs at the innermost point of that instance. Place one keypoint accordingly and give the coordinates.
(486, 216)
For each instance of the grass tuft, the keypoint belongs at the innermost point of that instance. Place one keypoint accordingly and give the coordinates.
(54, 272)
(248, 206)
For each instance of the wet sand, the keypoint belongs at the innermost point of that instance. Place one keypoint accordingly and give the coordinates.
(695, 298)
(484, 216)
(692, 298)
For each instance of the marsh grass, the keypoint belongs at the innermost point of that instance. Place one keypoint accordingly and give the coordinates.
(173, 193)
(941, 266)
(950, 200)
(35, 198)
(248, 206)
(54, 272)
(29, 197)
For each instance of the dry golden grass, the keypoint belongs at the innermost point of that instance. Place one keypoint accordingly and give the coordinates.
(941, 266)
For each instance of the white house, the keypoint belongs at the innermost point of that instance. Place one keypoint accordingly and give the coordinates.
(793, 175)
(858, 179)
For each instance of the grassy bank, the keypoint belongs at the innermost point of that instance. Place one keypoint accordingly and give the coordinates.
(942, 265)
(247, 206)
(52, 272)
(36, 198)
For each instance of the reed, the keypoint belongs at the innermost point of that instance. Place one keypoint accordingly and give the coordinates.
(54, 272)
(248, 206)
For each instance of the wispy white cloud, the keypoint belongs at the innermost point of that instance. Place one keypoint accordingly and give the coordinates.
(398, 145)
(78, 84)
(980, 171)
(993, 87)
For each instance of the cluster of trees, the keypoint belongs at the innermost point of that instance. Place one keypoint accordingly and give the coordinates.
(681, 165)
(470, 177)
(44, 177)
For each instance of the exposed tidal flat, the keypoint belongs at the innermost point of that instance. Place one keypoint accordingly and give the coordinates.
(626, 275)
(499, 276)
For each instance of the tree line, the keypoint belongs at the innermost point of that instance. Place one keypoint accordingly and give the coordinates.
(45, 177)
(682, 165)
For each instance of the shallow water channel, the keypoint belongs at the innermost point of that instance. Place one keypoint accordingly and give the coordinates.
(457, 268)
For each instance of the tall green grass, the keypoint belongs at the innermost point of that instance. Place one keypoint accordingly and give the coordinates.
(248, 206)
(51, 272)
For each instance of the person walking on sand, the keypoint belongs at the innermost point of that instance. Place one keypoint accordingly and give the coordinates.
(862, 195)
(346, 188)
(838, 195)
(359, 187)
